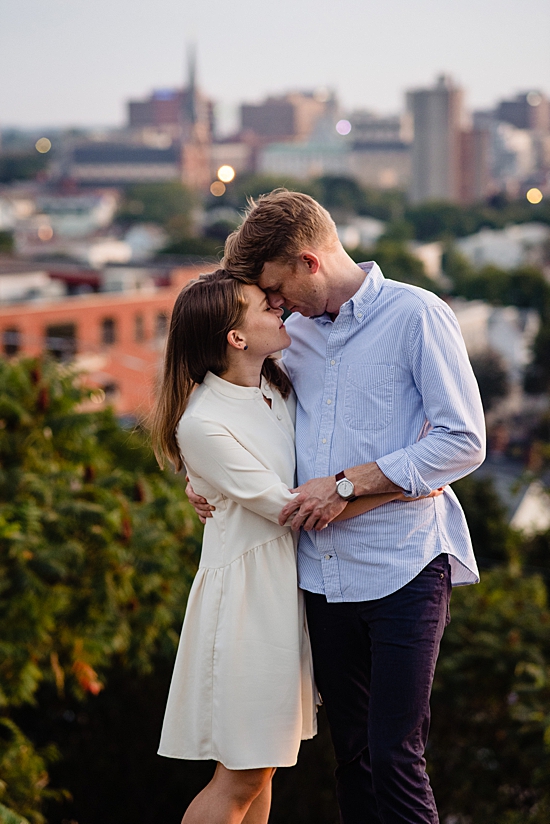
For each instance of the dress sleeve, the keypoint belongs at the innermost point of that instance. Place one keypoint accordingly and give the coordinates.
(213, 453)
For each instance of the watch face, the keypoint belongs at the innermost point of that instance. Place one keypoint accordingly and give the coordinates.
(345, 488)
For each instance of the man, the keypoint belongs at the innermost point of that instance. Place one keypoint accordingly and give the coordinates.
(386, 401)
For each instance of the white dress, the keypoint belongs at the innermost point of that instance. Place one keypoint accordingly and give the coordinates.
(242, 690)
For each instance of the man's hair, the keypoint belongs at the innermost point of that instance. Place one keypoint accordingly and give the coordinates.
(277, 227)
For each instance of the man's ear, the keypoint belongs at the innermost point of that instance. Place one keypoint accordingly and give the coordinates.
(312, 261)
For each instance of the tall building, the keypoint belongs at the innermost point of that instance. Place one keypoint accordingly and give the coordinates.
(437, 116)
(475, 178)
(183, 116)
(528, 110)
(292, 116)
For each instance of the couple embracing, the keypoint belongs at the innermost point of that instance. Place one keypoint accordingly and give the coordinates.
(337, 587)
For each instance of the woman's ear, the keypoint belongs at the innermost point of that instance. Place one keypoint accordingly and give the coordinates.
(235, 339)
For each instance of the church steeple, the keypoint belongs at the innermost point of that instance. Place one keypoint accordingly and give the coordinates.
(192, 91)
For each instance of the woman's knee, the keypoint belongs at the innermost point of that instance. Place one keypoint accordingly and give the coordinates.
(245, 785)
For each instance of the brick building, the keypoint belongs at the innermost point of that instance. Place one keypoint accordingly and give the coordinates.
(116, 339)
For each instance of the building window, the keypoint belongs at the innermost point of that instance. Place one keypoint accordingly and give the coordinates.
(139, 329)
(161, 325)
(108, 331)
(61, 341)
(11, 341)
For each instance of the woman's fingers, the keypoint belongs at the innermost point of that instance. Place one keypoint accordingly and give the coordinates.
(199, 504)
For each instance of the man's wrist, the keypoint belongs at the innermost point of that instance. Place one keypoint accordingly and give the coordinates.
(368, 479)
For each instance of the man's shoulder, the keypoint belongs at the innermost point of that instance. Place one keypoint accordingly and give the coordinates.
(413, 296)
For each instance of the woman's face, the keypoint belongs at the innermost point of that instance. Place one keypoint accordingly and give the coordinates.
(263, 330)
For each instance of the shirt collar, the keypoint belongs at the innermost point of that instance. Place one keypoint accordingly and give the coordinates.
(365, 295)
(233, 390)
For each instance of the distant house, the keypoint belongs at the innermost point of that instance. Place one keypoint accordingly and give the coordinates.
(506, 248)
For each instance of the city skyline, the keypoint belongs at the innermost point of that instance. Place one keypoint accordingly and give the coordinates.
(77, 65)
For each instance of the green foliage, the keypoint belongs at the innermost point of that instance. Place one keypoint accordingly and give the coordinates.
(97, 547)
(23, 786)
(441, 220)
(396, 263)
(6, 243)
(489, 751)
(492, 377)
(525, 288)
(195, 246)
(493, 540)
(21, 165)
(169, 204)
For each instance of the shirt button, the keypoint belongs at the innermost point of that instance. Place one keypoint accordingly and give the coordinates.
(329, 401)
(332, 362)
(328, 557)
(279, 417)
(359, 315)
(324, 440)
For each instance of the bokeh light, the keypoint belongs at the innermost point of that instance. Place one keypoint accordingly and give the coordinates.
(97, 396)
(226, 174)
(343, 127)
(45, 232)
(43, 145)
(534, 99)
(534, 195)
(217, 188)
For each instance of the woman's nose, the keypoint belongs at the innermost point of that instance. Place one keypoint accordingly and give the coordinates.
(278, 311)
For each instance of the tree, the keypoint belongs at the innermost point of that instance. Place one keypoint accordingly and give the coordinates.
(21, 165)
(169, 204)
(396, 262)
(491, 376)
(489, 758)
(97, 551)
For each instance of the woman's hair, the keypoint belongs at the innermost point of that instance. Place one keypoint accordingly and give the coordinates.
(204, 312)
(277, 226)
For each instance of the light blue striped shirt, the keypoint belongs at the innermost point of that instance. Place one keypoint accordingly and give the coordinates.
(388, 381)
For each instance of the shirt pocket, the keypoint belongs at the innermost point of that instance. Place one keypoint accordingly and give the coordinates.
(368, 400)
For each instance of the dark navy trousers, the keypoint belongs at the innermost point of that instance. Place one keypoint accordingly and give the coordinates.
(374, 664)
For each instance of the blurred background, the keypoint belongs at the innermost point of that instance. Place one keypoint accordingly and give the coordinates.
(130, 139)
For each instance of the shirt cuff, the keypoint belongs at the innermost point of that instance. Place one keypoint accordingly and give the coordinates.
(398, 467)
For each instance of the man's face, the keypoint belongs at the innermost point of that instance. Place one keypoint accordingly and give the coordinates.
(294, 286)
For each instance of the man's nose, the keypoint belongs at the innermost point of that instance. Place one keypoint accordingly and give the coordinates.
(275, 300)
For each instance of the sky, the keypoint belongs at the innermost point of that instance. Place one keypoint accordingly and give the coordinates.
(76, 62)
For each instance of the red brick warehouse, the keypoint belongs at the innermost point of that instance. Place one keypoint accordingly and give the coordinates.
(116, 339)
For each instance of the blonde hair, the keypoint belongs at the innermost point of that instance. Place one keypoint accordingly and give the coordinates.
(204, 312)
(277, 226)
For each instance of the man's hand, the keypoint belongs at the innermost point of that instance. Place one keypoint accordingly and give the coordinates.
(316, 505)
(199, 504)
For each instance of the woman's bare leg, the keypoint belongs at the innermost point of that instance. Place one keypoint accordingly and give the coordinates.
(229, 796)
(258, 812)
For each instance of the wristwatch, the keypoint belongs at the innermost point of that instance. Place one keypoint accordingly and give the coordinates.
(344, 487)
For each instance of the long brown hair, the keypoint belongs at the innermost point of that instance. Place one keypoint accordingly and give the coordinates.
(204, 312)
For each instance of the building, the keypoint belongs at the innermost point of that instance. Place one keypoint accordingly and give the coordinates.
(506, 330)
(292, 116)
(516, 245)
(438, 120)
(380, 153)
(528, 110)
(475, 178)
(116, 339)
(115, 164)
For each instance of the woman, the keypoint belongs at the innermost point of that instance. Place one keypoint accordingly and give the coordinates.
(242, 691)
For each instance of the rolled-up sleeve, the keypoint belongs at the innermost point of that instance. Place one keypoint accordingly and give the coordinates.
(455, 443)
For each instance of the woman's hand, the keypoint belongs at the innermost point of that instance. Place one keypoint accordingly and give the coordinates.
(435, 493)
(200, 505)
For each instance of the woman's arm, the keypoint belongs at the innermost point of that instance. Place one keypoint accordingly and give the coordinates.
(367, 502)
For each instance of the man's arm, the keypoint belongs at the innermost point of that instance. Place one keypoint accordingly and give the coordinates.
(454, 446)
